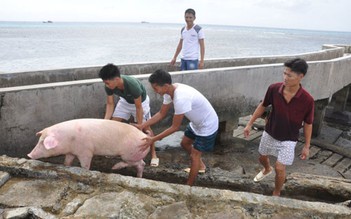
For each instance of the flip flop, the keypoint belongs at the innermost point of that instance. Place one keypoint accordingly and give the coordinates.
(200, 171)
(154, 162)
(260, 176)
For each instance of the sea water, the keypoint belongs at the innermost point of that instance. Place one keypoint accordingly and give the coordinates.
(31, 46)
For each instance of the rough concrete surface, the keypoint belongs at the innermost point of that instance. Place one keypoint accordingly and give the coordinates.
(55, 191)
(36, 189)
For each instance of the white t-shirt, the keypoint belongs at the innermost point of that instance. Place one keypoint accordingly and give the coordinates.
(190, 102)
(191, 45)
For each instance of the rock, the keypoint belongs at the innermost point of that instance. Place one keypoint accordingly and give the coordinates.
(36, 193)
(17, 213)
(21, 161)
(27, 213)
(116, 205)
(4, 177)
(179, 209)
(72, 206)
(91, 194)
(329, 188)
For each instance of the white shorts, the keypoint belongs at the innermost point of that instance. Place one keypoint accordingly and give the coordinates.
(124, 109)
(283, 150)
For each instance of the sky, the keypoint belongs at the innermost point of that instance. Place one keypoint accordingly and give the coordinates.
(332, 15)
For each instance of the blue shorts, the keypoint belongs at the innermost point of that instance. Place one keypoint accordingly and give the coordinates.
(201, 143)
(189, 64)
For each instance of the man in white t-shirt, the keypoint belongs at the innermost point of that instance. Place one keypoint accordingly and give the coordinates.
(190, 43)
(200, 133)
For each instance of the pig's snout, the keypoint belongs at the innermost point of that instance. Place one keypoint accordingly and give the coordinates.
(33, 154)
(30, 155)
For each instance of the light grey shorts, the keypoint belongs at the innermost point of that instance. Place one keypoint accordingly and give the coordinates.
(124, 109)
(283, 150)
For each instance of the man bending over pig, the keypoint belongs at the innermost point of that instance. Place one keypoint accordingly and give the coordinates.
(133, 100)
(200, 133)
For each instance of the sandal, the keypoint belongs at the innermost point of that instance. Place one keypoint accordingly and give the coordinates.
(200, 171)
(154, 162)
(260, 176)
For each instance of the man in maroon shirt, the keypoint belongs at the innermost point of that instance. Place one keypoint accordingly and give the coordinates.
(292, 109)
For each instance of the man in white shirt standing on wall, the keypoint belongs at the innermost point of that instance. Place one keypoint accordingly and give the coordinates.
(190, 43)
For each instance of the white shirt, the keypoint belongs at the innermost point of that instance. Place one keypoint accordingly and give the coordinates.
(191, 45)
(190, 102)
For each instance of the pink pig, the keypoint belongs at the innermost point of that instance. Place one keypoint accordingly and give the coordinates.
(83, 138)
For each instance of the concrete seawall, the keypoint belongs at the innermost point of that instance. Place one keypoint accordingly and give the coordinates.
(72, 74)
(233, 91)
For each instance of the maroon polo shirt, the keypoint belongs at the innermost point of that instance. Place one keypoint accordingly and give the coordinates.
(286, 119)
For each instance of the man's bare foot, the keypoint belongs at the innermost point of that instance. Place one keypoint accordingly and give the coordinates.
(276, 193)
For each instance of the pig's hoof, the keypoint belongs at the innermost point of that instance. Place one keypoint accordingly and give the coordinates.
(154, 162)
(120, 165)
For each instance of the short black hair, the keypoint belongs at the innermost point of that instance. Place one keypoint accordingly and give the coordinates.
(297, 65)
(190, 11)
(160, 77)
(109, 72)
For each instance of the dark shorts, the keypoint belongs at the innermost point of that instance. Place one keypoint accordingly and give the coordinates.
(201, 143)
(189, 64)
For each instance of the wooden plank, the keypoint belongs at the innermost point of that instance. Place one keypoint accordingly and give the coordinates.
(347, 174)
(313, 151)
(322, 156)
(255, 135)
(343, 165)
(333, 160)
(252, 132)
(238, 131)
(332, 147)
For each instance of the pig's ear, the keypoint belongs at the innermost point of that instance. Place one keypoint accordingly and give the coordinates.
(39, 133)
(50, 142)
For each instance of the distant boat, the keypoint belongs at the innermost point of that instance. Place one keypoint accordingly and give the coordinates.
(47, 22)
(145, 22)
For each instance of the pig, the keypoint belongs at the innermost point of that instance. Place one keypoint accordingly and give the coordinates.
(84, 138)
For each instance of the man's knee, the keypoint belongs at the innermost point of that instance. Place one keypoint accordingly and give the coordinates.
(195, 154)
(264, 158)
(279, 167)
(186, 142)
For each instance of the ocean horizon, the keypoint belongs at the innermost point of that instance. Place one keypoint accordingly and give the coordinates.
(32, 46)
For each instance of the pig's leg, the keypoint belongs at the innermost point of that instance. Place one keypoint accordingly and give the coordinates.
(69, 159)
(85, 161)
(140, 168)
(120, 165)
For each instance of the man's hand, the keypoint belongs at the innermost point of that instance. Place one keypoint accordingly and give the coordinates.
(247, 131)
(173, 61)
(305, 153)
(149, 140)
(139, 126)
(201, 65)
